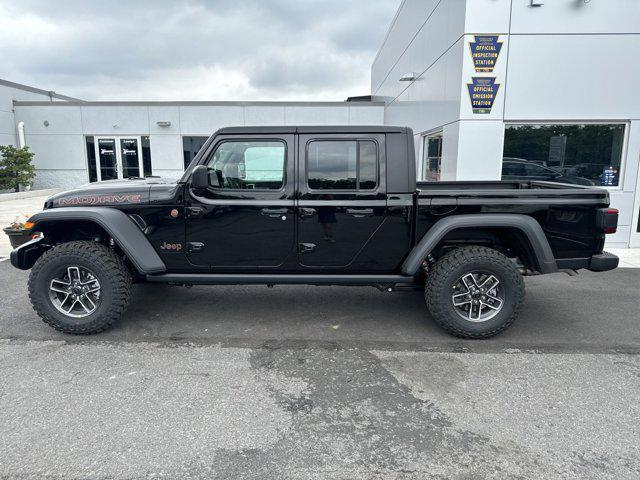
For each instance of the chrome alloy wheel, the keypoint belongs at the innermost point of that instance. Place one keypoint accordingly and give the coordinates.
(477, 296)
(75, 292)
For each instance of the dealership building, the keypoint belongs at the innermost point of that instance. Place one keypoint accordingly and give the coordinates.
(511, 89)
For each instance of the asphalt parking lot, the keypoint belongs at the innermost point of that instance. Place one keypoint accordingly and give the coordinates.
(323, 382)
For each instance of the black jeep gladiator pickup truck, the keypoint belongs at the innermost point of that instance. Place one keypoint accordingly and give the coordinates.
(318, 206)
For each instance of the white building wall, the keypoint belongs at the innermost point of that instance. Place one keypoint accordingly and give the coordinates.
(9, 92)
(60, 150)
(434, 52)
(567, 60)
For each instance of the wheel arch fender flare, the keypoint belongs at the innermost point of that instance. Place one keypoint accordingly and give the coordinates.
(124, 231)
(529, 227)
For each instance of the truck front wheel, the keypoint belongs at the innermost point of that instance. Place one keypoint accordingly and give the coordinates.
(80, 287)
(474, 292)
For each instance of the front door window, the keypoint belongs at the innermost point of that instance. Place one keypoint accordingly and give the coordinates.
(118, 157)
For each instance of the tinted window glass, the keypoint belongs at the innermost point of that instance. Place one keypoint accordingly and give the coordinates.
(533, 169)
(146, 156)
(243, 165)
(129, 158)
(191, 146)
(432, 156)
(333, 165)
(588, 154)
(512, 169)
(108, 158)
(91, 159)
(368, 165)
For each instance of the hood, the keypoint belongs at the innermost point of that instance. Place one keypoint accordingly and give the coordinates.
(134, 191)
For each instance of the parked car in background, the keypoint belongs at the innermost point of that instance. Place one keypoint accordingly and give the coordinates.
(521, 169)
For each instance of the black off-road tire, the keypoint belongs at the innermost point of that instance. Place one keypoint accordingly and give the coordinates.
(445, 273)
(108, 268)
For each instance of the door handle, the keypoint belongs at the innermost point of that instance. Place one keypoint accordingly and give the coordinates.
(193, 247)
(274, 212)
(307, 212)
(360, 212)
(306, 247)
(193, 212)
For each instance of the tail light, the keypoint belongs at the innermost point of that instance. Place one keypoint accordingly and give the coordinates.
(607, 219)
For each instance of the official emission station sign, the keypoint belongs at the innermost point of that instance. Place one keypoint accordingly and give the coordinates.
(485, 50)
(482, 92)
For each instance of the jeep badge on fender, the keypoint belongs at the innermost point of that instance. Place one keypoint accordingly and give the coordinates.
(176, 247)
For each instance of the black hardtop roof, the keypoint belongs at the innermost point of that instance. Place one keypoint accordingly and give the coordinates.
(313, 129)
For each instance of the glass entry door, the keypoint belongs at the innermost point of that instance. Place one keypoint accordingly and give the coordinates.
(634, 240)
(118, 157)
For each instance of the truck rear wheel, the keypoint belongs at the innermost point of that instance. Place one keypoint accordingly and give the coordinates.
(474, 292)
(80, 287)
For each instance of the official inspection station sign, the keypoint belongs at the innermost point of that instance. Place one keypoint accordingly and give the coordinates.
(485, 50)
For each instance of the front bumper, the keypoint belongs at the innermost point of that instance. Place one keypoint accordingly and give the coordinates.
(603, 261)
(24, 256)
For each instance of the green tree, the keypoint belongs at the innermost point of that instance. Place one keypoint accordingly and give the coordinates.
(15, 167)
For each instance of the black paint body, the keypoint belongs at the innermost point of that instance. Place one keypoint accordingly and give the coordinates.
(372, 232)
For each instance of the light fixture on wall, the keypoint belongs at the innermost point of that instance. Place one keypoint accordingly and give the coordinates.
(163, 124)
(536, 3)
(408, 77)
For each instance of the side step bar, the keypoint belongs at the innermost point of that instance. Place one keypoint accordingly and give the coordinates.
(271, 279)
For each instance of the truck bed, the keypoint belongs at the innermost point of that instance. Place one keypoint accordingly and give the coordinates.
(566, 213)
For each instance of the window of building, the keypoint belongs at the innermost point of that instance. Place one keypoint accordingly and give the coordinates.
(248, 165)
(583, 154)
(342, 165)
(146, 155)
(91, 159)
(432, 157)
(190, 147)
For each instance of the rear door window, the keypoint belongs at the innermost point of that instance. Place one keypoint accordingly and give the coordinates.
(342, 165)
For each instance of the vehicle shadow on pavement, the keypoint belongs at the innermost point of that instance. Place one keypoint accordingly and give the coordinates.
(588, 313)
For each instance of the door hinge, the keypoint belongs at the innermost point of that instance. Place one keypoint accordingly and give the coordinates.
(193, 247)
(306, 247)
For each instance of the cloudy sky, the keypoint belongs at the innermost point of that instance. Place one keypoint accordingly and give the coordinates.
(195, 49)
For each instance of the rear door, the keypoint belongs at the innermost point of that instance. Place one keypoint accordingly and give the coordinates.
(342, 197)
(249, 219)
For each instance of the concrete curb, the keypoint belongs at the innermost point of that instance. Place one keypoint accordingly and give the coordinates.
(6, 197)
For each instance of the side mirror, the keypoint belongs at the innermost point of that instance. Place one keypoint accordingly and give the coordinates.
(200, 177)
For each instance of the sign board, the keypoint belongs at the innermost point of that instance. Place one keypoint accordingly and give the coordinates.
(485, 50)
(482, 93)
(557, 149)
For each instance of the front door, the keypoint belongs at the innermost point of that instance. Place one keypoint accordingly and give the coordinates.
(118, 157)
(246, 218)
(342, 202)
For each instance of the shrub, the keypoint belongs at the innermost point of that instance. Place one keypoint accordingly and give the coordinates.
(15, 167)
